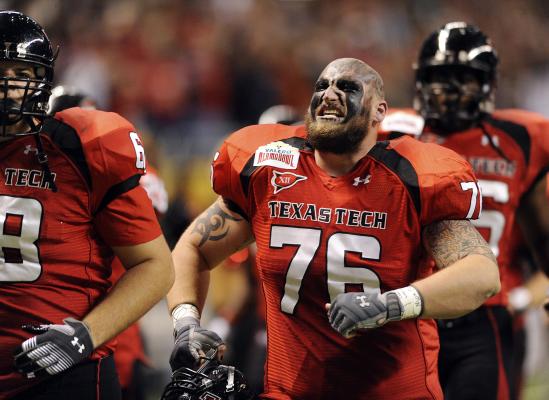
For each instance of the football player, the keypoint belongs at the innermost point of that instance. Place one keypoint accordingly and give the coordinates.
(129, 355)
(342, 225)
(509, 151)
(69, 201)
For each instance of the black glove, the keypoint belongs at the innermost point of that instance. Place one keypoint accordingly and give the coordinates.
(192, 343)
(54, 351)
(352, 311)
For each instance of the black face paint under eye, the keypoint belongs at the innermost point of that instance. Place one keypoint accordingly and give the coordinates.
(315, 101)
(353, 102)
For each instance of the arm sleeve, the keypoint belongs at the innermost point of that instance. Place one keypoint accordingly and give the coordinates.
(449, 190)
(227, 178)
(128, 220)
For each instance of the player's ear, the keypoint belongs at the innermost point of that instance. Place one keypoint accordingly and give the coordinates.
(380, 111)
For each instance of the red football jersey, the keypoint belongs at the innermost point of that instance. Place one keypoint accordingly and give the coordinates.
(55, 255)
(318, 236)
(509, 152)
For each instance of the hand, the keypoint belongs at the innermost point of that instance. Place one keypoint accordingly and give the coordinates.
(54, 351)
(352, 311)
(193, 343)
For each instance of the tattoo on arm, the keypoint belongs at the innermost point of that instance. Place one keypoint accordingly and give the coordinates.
(212, 226)
(451, 240)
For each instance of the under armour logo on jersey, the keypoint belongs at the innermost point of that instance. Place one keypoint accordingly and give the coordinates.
(364, 181)
(81, 347)
(29, 148)
(363, 302)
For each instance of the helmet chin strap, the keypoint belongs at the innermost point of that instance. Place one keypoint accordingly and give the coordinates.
(41, 155)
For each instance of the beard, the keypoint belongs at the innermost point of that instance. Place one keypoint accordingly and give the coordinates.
(337, 138)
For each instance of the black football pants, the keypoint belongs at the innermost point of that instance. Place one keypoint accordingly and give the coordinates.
(475, 356)
(90, 380)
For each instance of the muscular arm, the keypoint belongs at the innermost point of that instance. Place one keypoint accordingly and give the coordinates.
(147, 280)
(533, 218)
(213, 236)
(468, 273)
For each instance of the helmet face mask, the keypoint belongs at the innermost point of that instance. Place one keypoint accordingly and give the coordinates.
(455, 78)
(23, 96)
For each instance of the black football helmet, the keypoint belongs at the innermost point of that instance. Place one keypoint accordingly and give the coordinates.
(212, 381)
(23, 40)
(449, 60)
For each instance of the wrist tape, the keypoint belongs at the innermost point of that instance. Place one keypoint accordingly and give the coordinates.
(185, 310)
(410, 301)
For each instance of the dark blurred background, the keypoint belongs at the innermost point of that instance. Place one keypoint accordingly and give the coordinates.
(188, 72)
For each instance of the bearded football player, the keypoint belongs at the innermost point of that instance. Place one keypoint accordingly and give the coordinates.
(70, 201)
(342, 224)
(456, 76)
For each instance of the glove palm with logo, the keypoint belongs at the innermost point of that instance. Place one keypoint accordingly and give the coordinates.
(192, 343)
(54, 351)
(352, 311)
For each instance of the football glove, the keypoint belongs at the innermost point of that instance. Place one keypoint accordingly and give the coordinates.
(352, 311)
(54, 351)
(192, 342)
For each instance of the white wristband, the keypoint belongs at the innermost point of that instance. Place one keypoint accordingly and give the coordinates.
(411, 302)
(185, 310)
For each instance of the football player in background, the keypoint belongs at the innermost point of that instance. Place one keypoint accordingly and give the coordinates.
(129, 355)
(69, 201)
(341, 225)
(509, 151)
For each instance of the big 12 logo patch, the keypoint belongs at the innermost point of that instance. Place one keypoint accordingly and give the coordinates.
(285, 180)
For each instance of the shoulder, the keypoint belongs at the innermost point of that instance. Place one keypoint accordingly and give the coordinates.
(250, 138)
(427, 158)
(522, 125)
(528, 129)
(93, 124)
(104, 143)
(249, 149)
(519, 116)
(262, 142)
(435, 177)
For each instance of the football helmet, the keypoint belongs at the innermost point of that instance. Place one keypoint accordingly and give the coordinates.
(23, 40)
(212, 381)
(455, 77)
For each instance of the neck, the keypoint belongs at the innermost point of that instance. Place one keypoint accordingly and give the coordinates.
(340, 164)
